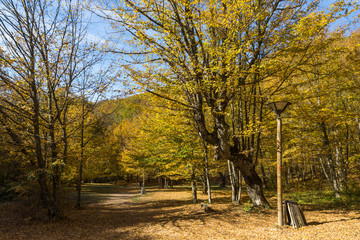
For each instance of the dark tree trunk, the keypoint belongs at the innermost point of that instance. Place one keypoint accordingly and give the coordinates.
(82, 150)
(38, 148)
(171, 184)
(263, 175)
(161, 182)
(166, 183)
(204, 183)
(223, 179)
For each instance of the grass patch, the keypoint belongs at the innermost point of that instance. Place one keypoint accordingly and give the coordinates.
(326, 199)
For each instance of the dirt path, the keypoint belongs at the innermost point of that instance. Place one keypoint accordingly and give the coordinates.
(122, 213)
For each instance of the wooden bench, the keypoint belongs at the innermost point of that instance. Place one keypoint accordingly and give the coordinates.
(292, 214)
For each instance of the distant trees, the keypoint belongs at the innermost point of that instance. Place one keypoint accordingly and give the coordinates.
(163, 143)
(325, 126)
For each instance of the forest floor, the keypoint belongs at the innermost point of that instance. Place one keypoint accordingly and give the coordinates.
(114, 212)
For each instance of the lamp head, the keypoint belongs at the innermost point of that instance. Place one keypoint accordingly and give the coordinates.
(278, 107)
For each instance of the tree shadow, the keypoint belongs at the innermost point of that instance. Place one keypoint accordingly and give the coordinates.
(315, 223)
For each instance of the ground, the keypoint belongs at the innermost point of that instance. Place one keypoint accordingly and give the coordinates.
(122, 213)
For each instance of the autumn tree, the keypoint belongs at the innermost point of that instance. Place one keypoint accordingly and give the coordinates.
(213, 53)
(44, 54)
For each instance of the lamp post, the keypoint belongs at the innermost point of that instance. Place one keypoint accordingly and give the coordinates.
(278, 108)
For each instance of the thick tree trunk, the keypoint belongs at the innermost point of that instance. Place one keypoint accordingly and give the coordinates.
(252, 181)
(225, 150)
(41, 165)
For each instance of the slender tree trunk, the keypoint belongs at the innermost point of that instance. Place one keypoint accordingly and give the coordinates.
(53, 154)
(204, 184)
(232, 183)
(272, 178)
(304, 171)
(289, 174)
(206, 168)
(330, 174)
(240, 187)
(143, 183)
(193, 186)
(263, 175)
(166, 183)
(82, 149)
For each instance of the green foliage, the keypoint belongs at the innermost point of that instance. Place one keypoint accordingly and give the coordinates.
(248, 206)
(326, 199)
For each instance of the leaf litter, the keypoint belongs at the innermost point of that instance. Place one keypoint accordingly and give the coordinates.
(170, 214)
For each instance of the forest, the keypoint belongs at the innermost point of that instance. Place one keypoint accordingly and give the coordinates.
(174, 99)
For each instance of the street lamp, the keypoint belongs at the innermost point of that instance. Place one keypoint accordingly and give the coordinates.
(278, 108)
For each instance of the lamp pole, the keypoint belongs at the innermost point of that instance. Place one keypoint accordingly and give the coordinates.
(278, 171)
(278, 108)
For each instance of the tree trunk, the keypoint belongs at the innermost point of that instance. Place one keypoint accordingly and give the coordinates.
(166, 183)
(240, 187)
(204, 183)
(161, 182)
(233, 182)
(143, 183)
(82, 149)
(263, 175)
(206, 170)
(330, 168)
(193, 186)
(54, 208)
(41, 165)
(223, 179)
(171, 184)
(252, 181)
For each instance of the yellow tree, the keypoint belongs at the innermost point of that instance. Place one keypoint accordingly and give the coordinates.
(44, 54)
(212, 52)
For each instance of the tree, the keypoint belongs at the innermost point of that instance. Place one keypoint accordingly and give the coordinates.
(210, 53)
(44, 54)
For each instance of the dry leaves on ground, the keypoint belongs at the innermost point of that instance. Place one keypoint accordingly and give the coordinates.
(169, 214)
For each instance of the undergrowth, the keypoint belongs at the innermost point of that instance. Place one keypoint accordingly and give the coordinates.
(325, 199)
